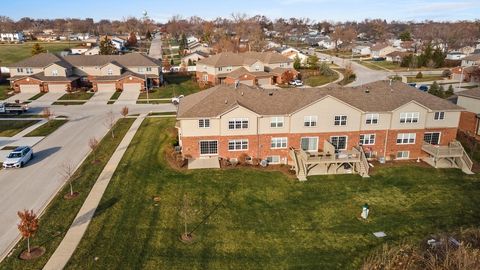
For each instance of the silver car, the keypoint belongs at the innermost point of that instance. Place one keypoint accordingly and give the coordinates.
(18, 157)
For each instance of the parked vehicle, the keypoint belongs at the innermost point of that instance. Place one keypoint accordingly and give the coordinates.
(18, 157)
(295, 83)
(176, 100)
(413, 84)
(423, 88)
(17, 108)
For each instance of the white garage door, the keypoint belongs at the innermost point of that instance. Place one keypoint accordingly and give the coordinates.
(29, 88)
(247, 82)
(264, 81)
(57, 88)
(106, 87)
(132, 86)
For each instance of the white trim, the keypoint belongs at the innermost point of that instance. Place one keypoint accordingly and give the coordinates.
(372, 118)
(431, 132)
(200, 148)
(346, 141)
(369, 138)
(316, 148)
(235, 141)
(310, 118)
(403, 157)
(281, 142)
(406, 136)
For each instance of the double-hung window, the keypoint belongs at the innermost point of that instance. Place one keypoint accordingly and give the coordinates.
(371, 119)
(340, 142)
(276, 122)
(367, 139)
(406, 138)
(29, 70)
(409, 117)
(208, 147)
(55, 72)
(238, 123)
(279, 143)
(204, 123)
(110, 71)
(237, 145)
(340, 120)
(439, 116)
(310, 121)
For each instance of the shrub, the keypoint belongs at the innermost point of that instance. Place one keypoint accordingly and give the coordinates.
(419, 75)
(447, 73)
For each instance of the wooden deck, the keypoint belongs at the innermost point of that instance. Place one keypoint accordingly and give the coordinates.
(452, 155)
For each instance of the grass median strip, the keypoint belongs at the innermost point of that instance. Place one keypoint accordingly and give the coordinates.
(60, 213)
(70, 102)
(79, 95)
(246, 218)
(47, 129)
(9, 128)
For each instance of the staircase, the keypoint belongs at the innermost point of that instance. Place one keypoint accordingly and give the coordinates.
(300, 170)
(454, 153)
(465, 163)
(363, 166)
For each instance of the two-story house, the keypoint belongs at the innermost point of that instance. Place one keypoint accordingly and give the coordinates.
(49, 72)
(387, 120)
(249, 68)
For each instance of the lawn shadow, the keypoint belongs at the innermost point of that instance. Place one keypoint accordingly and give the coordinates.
(41, 155)
(92, 213)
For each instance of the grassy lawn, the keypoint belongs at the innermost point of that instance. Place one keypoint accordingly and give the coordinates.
(37, 96)
(255, 219)
(345, 80)
(65, 103)
(115, 95)
(11, 53)
(378, 65)
(153, 101)
(425, 78)
(47, 129)
(4, 89)
(60, 213)
(162, 113)
(79, 95)
(320, 80)
(9, 128)
(176, 85)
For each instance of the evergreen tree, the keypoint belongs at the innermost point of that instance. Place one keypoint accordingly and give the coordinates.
(36, 49)
(297, 62)
(405, 36)
(312, 62)
(171, 62)
(106, 47)
(438, 57)
(148, 35)
(436, 90)
(450, 91)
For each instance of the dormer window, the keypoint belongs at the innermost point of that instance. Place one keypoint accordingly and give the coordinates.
(29, 70)
(55, 72)
(20, 70)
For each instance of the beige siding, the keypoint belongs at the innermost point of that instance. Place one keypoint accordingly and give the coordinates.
(325, 110)
(383, 122)
(410, 107)
(253, 68)
(60, 70)
(239, 112)
(116, 70)
(13, 71)
(471, 104)
(451, 120)
(189, 128)
(265, 128)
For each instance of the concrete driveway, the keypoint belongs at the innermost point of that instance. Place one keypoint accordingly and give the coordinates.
(20, 96)
(47, 99)
(33, 186)
(100, 97)
(128, 98)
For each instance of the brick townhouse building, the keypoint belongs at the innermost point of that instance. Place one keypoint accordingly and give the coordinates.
(249, 68)
(49, 72)
(388, 120)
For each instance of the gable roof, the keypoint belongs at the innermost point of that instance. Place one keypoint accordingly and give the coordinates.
(40, 60)
(381, 97)
(471, 93)
(379, 46)
(226, 59)
(472, 57)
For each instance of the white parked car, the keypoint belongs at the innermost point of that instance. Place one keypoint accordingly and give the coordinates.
(18, 157)
(298, 83)
(176, 100)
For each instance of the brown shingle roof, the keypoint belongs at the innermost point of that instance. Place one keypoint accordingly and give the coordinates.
(381, 98)
(39, 61)
(472, 57)
(239, 59)
(472, 93)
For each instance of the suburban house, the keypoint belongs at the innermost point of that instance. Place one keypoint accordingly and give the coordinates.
(327, 43)
(396, 56)
(469, 120)
(250, 68)
(292, 53)
(12, 37)
(192, 42)
(49, 72)
(193, 58)
(361, 50)
(471, 60)
(330, 126)
(381, 50)
(200, 47)
(466, 74)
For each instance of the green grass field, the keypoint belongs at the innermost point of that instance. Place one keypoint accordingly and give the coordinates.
(176, 85)
(47, 129)
(425, 78)
(255, 219)
(9, 128)
(4, 89)
(79, 95)
(60, 213)
(319, 80)
(67, 103)
(11, 53)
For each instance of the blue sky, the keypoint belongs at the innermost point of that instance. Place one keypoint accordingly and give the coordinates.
(161, 10)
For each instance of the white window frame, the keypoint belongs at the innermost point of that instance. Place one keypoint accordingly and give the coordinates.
(110, 71)
(220, 68)
(372, 119)
(402, 155)
(238, 145)
(340, 136)
(141, 70)
(277, 121)
(238, 123)
(20, 70)
(54, 72)
(433, 132)
(149, 68)
(274, 157)
(406, 138)
(204, 123)
(368, 139)
(205, 77)
(409, 117)
(312, 121)
(310, 150)
(209, 141)
(439, 116)
(279, 143)
(340, 120)
(29, 70)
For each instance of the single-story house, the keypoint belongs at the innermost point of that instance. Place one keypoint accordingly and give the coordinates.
(361, 50)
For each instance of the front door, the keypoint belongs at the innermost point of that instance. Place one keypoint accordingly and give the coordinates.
(432, 138)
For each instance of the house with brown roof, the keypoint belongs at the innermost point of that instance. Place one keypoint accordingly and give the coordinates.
(49, 72)
(381, 50)
(396, 56)
(249, 68)
(320, 130)
(470, 119)
(471, 60)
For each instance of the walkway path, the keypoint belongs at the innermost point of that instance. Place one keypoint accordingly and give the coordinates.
(71, 240)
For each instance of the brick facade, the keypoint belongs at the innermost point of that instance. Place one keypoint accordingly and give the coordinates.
(259, 145)
(468, 123)
(43, 86)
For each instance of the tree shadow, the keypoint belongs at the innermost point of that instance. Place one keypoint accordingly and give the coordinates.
(92, 213)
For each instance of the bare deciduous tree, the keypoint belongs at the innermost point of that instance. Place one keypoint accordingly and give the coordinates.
(110, 123)
(47, 113)
(124, 111)
(67, 170)
(93, 144)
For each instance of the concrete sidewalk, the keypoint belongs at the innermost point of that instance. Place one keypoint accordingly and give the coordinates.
(74, 235)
